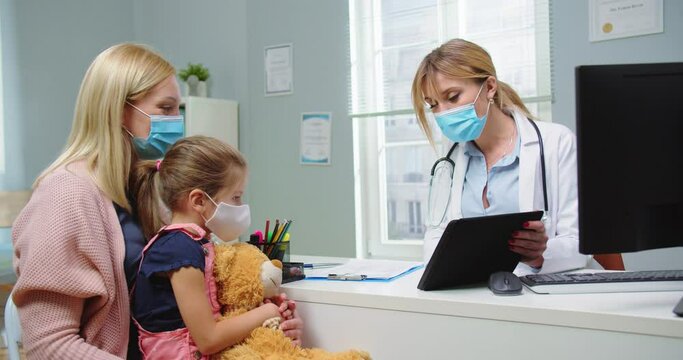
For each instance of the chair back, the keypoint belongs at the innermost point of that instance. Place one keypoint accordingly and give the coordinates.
(610, 261)
(12, 331)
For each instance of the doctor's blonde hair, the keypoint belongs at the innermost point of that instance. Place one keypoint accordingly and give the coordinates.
(123, 72)
(458, 59)
(194, 162)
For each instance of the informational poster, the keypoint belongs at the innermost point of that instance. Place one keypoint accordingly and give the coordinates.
(613, 19)
(316, 138)
(278, 61)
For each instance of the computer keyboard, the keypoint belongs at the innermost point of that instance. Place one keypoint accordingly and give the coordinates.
(598, 282)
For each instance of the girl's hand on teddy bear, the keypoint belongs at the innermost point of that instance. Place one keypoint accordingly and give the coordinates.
(293, 325)
(283, 310)
(293, 328)
(277, 300)
(271, 310)
(286, 306)
(287, 309)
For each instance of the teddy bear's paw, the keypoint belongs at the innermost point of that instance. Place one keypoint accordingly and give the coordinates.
(272, 323)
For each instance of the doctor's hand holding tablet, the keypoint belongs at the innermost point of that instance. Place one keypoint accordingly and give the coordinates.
(497, 163)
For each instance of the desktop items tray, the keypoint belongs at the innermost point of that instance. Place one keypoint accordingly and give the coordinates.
(471, 249)
(292, 271)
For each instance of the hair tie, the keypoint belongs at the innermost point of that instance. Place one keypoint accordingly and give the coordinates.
(158, 165)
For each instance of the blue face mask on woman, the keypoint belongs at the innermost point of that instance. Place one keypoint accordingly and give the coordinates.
(164, 132)
(462, 124)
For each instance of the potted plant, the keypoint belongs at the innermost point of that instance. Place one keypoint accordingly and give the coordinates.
(194, 76)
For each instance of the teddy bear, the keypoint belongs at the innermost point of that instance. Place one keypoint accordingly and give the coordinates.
(244, 278)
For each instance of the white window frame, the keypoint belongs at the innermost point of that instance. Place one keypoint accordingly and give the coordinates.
(370, 184)
(414, 215)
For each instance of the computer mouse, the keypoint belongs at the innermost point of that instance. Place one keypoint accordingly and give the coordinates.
(505, 283)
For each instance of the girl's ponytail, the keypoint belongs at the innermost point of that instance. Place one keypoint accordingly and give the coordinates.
(144, 186)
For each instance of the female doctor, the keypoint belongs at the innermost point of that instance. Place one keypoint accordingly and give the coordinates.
(500, 160)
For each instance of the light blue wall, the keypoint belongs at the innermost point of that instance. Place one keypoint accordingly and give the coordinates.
(572, 48)
(211, 32)
(13, 177)
(47, 46)
(569, 22)
(319, 198)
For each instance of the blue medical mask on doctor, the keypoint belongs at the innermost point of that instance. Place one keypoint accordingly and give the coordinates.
(164, 132)
(462, 124)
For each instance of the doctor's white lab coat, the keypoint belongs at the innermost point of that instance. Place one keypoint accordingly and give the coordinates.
(562, 227)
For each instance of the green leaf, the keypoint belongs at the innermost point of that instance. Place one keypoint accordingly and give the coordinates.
(198, 70)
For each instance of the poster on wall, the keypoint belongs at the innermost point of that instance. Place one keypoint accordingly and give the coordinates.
(316, 138)
(614, 19)
(278, 62)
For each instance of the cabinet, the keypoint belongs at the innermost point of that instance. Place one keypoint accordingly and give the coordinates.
(211, 117)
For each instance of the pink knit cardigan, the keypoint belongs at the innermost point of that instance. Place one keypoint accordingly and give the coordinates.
(71, 290)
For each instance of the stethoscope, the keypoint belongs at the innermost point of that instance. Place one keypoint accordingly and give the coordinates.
(442, 166)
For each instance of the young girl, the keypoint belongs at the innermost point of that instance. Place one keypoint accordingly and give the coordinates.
(201, 180)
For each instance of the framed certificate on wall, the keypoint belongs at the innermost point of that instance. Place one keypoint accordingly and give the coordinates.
(614, 19)
(316, 138)
(279, 70)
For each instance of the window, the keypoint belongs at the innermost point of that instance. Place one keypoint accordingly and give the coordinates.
(415, 224)
(391, 206)
(392, 157)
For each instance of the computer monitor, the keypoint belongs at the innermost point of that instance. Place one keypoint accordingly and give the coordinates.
(629, 129)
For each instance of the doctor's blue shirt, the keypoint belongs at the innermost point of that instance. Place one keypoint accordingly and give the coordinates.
(503, 183)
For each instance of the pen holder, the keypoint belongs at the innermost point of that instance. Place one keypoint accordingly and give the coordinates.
(278, 250)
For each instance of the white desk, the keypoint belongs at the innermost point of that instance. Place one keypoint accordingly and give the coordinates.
(395, 320)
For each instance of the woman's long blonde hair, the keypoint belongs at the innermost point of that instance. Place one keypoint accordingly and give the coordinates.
(195, 162)
(458, 59)
(123, 72)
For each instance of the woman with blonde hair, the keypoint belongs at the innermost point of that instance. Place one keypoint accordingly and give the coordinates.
(77, 243)
(497, 162)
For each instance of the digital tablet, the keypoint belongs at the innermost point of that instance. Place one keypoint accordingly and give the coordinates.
(471, 249)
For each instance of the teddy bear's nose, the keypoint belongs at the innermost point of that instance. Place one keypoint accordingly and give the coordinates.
(277, 263)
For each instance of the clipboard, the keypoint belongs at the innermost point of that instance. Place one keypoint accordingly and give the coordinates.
(364, 270)
(471, 249)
